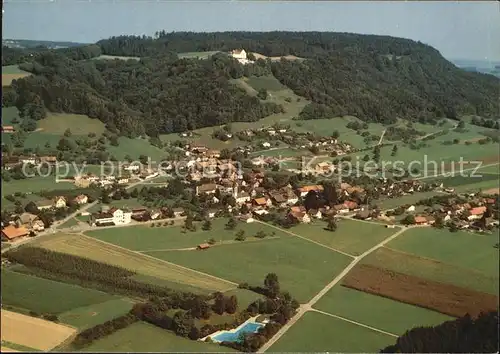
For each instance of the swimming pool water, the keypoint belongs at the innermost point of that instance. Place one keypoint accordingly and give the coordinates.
(250, 327)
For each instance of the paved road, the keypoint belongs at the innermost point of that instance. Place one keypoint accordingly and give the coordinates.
(308, 307)
(53, 230)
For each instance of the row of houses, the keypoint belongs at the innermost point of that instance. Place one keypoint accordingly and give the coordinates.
(11, 161)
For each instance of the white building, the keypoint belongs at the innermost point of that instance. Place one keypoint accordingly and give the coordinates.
(241, 56)
(113, 216)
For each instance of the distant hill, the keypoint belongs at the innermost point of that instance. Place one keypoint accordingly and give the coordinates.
(375, 78)
(28, 43)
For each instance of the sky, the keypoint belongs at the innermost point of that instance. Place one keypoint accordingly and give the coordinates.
(458, 29)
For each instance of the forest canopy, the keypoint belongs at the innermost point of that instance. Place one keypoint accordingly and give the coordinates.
(375, 78)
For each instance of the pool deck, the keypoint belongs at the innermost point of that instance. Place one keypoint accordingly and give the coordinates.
(250, 320)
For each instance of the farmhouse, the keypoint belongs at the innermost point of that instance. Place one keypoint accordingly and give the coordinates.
(81, 199)
(44, 204)
(30, 222)
(203, 246)
(113, 216)
(12, 232)
(60, 202)
(300, 216)
(476, 213)
(306, 189)
(8, 129)
(241, 56)
(209, 188)
(421, 220)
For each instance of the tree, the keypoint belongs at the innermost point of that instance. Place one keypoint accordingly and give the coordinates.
(332, 225)
(207, 225)
(240, 235)
(260, 234)
(231, 224)
(212, 241)
(335, 134)
(188, 222)
(219, 305)
(394, 150)
(67, 133)
(231, 304)
(376, 153)
(366, 158)
(31, 208)
(272, 285)
(408, 220)
(262, 94)
(461, 124)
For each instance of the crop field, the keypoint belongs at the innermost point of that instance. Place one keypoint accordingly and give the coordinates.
(376, 311)
(12, 72)
(145, 337)
(29, 293)
(113, 57)
(448, 299)
(43, 335)
(290, 258)
(57, 123)
(431, 269)
(461, 249)
(146, 238)
(353, 237)
(92, 315)
(34, 184)
(316, 332)
(84, 246)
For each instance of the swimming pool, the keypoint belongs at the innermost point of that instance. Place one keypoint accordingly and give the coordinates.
(249, 327)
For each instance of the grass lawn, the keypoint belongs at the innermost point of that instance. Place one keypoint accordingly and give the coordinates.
(145, 237)
(83, 246)
(134, 148)
(376, 311)
(462, 249)
(245, 297)
(303, 268)
(392, 203)
(89, 316)
(9, 114)
(70, 223)
(465, 179)
(198, 55)
(34, 184)
(29, 293)
(316, 332)
(145, 337)
(353, 237)
(405, 263)
(57, 123)
(269, 83)
(18, 347)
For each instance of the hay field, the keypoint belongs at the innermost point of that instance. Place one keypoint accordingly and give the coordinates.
(43, 335)
(12, 72)
(84, 246)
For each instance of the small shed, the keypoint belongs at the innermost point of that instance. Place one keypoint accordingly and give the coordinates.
(203, 246)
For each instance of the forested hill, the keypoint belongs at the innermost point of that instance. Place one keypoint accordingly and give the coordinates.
(376, 78)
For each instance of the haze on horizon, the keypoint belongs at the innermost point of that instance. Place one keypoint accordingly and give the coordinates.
(458, 29)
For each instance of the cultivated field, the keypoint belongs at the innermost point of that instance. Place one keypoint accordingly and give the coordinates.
(303, 268)
(57, 123)
(461, 249)
(135, 148)
(376, 311)
(353, 237)
(316, 332)
(431, 269)
(28, 293)
(43, 335)
(12, 72)
(444, 298)
(145, 337)
(87, 247)
(146, 238)
(89, 316)
(34, 184)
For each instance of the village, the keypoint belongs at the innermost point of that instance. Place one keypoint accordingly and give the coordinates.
(221, 187)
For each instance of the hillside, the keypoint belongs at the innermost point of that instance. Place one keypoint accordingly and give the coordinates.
(375, 78)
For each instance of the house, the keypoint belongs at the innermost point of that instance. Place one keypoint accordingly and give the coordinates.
(247, 218)
(363, 215)
(81, 199)
(59, 202)
(266, 145)
(8, 129)
(341, 208)
(262, 202)
(351, 205)
(50, 160)
(323, 167)
(300, 216)
(203, 246)
(208, 188)
(132, 167)
(420, 220)
(476, 213)
(30, 222)
(113, 216)
(430, 219)
(278, 199)
(178, 212)
(241, 56)
(242, 197)
(291, 197)
(28, 160)
(316, 213)
(154, 214)
(306, 189)
(123, 180)
(44, 204)
(12, 232)
(410, 208)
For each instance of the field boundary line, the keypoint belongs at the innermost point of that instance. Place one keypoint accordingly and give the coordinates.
(307, 239)
(161, 260)
(355, 322)
(226, 243)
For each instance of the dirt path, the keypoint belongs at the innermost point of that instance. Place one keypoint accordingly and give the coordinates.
(305, 238)
(308, 307)
(382, 137)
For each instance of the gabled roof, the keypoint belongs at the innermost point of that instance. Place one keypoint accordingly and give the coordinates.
(11, 232)
(478, 211)
(420, 219)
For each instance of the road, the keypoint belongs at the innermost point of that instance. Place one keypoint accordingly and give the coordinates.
(52, 229)
(308, 307)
